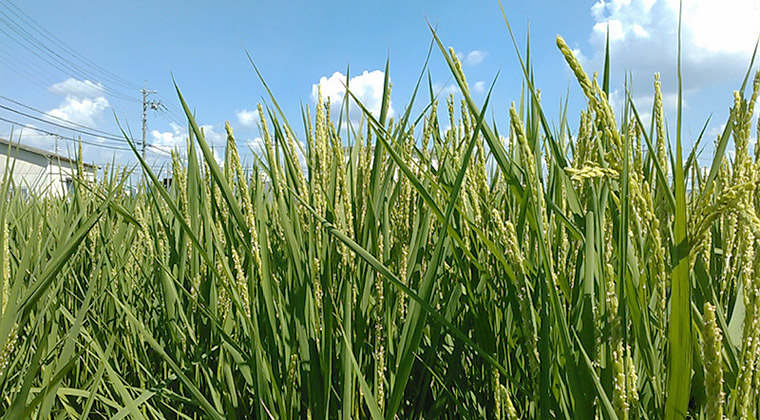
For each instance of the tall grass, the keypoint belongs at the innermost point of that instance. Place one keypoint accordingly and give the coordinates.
(408, 271)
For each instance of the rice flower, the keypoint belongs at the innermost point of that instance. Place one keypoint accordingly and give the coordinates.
(590, 170)
(713, 364)
(5, 280)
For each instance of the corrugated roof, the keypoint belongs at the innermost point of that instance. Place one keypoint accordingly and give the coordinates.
(41, 152)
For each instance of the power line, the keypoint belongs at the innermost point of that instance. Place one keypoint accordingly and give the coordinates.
(23, 30)
(62, 137)
(33, 74)
(75, 140)
(11, 52)
(160, 150)
(63, 64)
(168, 118)
(104, 133)
(173, 116)
(107, 136)
(172, 108)
(25, 74)
(55, 40)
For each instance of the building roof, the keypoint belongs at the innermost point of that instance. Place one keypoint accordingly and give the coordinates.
(50, 155)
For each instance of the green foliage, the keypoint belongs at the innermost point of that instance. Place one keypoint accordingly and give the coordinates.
(407, 271)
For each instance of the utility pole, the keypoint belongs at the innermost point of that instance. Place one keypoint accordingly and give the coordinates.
(145, 104)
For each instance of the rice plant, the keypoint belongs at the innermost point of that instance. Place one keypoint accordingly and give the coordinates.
(402, 271)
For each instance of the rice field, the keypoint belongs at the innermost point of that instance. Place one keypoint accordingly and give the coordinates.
(404, 270)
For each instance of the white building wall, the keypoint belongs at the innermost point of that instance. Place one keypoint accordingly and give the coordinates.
(62, 175)
(30, 170)
(39, 174)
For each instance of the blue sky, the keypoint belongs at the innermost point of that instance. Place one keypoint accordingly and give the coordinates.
(109, 50)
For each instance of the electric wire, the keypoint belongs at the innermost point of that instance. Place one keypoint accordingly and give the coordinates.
(86, 132)
(62, 137)
(59, 56)
(35, 46)
(58, 60)
(103, 133)
(57, 41)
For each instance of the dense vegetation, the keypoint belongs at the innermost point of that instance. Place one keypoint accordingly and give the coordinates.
(403, 270)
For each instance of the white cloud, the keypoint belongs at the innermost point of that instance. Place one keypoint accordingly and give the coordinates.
(717, 43)
(616, 100)
(29, 136)
(80, 110)
(715, 131)
(473, 57)
(729, 26)
(246, 118)
(717, 39)
(78, 88)
(255, 144)
(218, 157)
(177, 138)
(302, 157)
(213, 137)
(66, 146)
(84, 101)
(168, 140)
(443, 91)
(366, 87)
